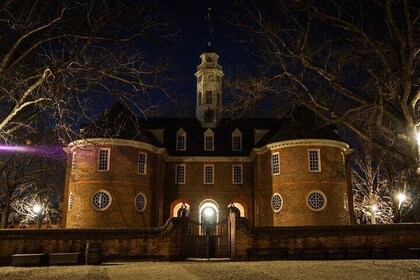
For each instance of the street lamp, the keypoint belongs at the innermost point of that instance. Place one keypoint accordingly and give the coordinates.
(401, 198)
(38, 218)
(37, 209)
(373, 210)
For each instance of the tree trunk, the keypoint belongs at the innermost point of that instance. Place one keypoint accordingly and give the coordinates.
(5, 214)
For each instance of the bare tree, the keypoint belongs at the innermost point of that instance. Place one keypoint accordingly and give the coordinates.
(15, 171)
(354, 63)
(58, 59)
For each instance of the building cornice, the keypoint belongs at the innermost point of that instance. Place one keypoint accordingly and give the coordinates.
(114, 142)
(301, 142)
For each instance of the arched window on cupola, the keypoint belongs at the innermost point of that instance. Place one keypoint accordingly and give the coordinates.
(236, 140)
(181, 140)
(209, 140)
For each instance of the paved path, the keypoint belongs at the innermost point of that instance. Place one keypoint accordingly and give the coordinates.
(313, 270)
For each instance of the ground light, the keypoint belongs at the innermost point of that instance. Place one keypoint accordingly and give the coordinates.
(401, 198)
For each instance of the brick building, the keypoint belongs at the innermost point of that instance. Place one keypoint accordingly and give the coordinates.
(130, 172)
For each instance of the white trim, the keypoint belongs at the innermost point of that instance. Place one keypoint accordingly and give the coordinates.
(114, 142)
(212, 175)
(70, 202)
(181, 133)
(272, 164)
(176, 174)
(318, 160)
(323, 195)
(207, 159)
(233, 174)
(236, 133)
(271, 202)
(308, 142)
(108, 159)
(103, 209)
(145, 163)
(145, 202)
(73, 163)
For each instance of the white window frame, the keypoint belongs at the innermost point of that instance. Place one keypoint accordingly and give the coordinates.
(73, 163)
(209, 133)
(181, 134)
(144, 164)
(145, 202)
(241, 174)
(324, 197)
(281, 205)
(177, 173)
(212, 174)
(318, 152)
(236, 133)
(98, 162)
(101, 209)
(274, 165)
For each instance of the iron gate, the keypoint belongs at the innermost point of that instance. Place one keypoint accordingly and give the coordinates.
(208, 240)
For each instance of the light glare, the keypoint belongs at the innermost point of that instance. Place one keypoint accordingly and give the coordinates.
(36, 209)
(208, 212)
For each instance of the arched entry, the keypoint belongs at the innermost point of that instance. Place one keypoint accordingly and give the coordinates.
(239, 208)
(208, 211)
(178, 208)
(209, 237)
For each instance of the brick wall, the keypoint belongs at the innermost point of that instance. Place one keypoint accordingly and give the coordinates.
(123, 183)
(147, 243)
(328, 237)
(194, 191)
(295, 182)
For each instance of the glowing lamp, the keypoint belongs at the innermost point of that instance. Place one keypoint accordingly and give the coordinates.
(37, 209)
(208, 212)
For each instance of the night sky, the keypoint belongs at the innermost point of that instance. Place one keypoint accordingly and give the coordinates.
(189, 21)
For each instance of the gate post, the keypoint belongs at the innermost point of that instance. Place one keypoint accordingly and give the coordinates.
(184, 237)
(232, 230)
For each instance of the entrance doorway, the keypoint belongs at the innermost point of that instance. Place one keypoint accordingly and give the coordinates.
(209, 237)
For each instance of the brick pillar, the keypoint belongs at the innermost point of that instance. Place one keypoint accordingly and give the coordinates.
(232, 230)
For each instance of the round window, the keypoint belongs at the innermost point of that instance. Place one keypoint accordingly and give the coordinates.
(101, 200)
(71, 201)
(276, 202)
(316, 200)
(140, 202)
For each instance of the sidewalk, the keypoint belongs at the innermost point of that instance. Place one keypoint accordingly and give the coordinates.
(313, 270)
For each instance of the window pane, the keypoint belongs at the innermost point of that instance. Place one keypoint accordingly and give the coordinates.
(275, 163)
(142, 163)
(237, 174)
(180, 174)
(314, 160)
(208, 174)
(103, 160)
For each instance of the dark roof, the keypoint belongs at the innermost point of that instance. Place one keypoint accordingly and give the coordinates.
(120, 122)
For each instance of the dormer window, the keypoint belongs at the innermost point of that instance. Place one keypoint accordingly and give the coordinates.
(209, 140)
(181, 140)
(236, 140)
